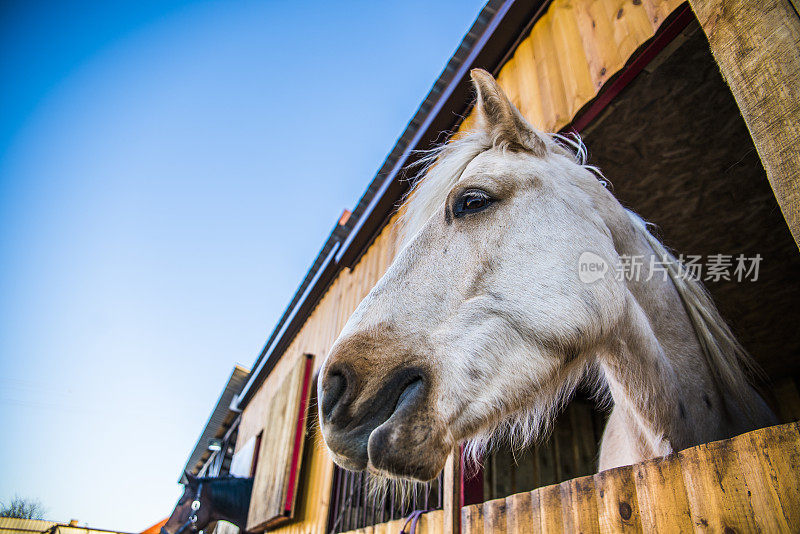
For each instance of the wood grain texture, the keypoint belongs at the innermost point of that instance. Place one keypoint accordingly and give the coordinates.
(270, 484)
(494, 516)
(578, 506)
(617, 505)
(707, 468)
(452, 497)
(573, 50)
(472, 519)
(661, 495)
(519, 514)
(757, 48)
(549, 509)
(745, 484)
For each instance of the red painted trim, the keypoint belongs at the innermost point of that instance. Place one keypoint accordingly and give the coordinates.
(461, 478)
(298, 436)
(663, 37)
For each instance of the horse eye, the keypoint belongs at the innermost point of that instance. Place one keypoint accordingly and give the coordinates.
(471, 201)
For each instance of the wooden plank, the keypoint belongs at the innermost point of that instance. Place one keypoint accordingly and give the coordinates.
(716, 489)
(381, 528)
(631, 25)
(394, 527)
(452, 493)
(579, 506)
(585, 443)
(574, 65)
(550, 519)
(530, 93)
(659, 10)
(757, 48)
(494, 516)
(596, 33)
(777, 489)
(519, 515)
(471, 519)
(431, 523)
(661, 495)
(536, 507)
(551, 86)
(508, 80)
(526, 471)
(563, 440)
(617, 505)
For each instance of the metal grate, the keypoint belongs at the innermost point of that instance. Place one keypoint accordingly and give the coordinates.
(353, 507)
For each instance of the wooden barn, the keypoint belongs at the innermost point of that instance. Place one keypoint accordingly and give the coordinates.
(692, 111)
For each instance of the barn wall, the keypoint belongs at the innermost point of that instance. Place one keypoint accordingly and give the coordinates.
(575, 48)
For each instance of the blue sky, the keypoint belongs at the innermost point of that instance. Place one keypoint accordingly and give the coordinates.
(168, 171)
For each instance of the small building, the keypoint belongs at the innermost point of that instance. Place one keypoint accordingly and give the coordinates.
(9, 525)
(691, 110)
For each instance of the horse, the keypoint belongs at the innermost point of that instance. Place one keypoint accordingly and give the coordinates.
(486, 321)
(206, 500)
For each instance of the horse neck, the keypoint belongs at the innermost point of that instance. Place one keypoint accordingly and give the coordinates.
(664, 390)
(230, 499)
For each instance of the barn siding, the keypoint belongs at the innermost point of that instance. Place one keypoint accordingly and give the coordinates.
(575, 48)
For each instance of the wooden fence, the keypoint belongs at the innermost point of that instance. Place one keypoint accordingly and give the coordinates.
(750, 483)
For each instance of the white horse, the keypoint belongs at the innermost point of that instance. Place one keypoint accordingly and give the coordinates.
(484, 324)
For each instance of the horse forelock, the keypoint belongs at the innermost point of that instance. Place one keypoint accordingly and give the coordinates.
(441, 167)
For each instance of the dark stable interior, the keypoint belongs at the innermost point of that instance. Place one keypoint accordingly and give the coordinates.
(677, 151)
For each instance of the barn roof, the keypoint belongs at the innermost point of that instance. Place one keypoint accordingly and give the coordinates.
(222, 417)
(495, 33)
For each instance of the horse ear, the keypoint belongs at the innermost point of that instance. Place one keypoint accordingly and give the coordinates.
(190, 478)
(498, 116)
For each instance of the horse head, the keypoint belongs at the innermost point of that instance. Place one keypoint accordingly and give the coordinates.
(193, 512)
(482, 315)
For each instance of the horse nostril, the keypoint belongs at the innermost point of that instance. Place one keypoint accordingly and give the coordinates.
(332, 392)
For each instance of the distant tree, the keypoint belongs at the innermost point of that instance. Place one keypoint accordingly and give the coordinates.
(22, 508)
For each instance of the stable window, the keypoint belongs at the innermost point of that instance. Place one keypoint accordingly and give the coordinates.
(280, 449)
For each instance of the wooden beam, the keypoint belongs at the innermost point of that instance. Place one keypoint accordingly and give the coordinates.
(452, 493)
(757, 48)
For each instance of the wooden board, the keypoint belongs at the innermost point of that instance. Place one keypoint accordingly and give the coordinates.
(275, 482)
(453, 496)
(757, 47)
(617, 505)
(748, 483)
(573, 50)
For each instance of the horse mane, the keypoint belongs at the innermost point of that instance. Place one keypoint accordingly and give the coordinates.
(727, 360)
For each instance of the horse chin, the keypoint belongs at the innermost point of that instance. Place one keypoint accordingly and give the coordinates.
(410, 448)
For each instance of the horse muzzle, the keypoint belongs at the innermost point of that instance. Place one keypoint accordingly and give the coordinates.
(388, 428)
